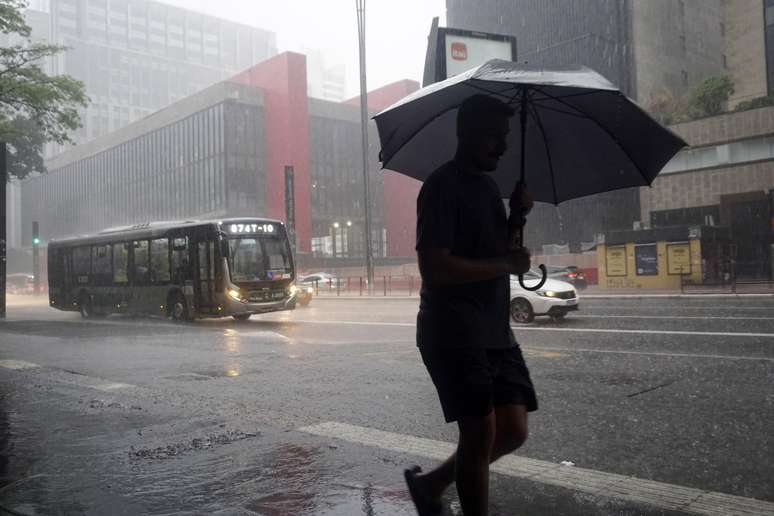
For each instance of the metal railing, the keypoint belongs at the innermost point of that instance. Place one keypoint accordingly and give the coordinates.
(384, 286)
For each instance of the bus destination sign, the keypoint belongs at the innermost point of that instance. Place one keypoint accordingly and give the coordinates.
(251, 228)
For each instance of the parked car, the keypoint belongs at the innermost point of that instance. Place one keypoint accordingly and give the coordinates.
(555, 298)
(570, 274)
(318, 280)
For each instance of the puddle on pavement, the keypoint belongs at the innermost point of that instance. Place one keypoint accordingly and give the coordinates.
(57, 462)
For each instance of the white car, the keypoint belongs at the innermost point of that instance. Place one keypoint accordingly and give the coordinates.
(554, 299)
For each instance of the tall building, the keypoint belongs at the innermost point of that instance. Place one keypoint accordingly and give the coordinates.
(138, 56)
(326, 81)
(749, 31)
(646, 47)
(226, 151)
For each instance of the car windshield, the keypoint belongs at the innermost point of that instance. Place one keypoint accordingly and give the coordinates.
(258, 259)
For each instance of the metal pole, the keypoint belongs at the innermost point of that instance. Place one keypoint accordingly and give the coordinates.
(3, 207)
(360, 5)
(36, 256)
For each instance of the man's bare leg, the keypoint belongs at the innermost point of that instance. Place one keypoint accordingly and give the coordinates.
(510, 423)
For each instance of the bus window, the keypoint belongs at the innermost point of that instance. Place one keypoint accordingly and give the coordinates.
(81, 264)
(101, 264)
(140, 262)
(180, 267)
(160, 261)
(276, 250)
(120, 262)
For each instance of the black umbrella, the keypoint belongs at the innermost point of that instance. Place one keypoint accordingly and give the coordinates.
(575, 134)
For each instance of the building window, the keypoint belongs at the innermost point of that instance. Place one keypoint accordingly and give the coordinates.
(684, 75)
(724, 60)
(722, 29)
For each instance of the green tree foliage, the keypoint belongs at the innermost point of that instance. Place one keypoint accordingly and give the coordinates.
(35, 108)
(711, 96)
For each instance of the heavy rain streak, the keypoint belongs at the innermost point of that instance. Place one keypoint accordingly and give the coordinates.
(368, 257)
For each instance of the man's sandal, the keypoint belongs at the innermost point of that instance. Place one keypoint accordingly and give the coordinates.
(425, 506)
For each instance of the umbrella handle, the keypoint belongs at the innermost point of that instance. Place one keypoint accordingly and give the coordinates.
(540, 284)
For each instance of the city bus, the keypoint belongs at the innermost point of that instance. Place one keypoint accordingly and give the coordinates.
(182, 270)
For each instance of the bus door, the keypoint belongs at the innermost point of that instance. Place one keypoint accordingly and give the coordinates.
(204, 284)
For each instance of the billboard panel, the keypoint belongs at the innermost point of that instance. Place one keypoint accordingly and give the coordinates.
(465, 52)
(453, 51)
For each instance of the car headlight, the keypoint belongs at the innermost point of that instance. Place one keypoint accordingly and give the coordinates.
(235, 294)
(547, 293)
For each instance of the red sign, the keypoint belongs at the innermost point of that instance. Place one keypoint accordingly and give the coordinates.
(459, 51)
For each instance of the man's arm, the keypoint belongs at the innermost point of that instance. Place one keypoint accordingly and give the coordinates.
(438, 267)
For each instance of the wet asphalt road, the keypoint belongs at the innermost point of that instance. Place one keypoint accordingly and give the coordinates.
(143, 416)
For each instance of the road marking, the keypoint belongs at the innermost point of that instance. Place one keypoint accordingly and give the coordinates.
(18, 364)
(531, 328)
(651, 353)
(699, 317)
(598, 483)
(648, 332)
(717, 307)
(107, 387)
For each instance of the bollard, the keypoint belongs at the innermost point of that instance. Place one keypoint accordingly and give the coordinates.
(338, 286)
(361, 286)
(384, 282)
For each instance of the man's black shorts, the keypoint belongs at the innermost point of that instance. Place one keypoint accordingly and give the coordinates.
(472, 381)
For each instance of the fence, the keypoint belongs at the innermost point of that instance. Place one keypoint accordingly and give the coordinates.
(731, 285)
(384, 286)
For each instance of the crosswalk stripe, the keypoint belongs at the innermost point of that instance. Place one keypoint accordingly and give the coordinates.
(17, 364)
(599, 483)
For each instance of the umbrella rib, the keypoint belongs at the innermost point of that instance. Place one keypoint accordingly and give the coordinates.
(502, 94)
(593, 92)
(539, 122)
(605, 129)
(561, 111)
(420, 128)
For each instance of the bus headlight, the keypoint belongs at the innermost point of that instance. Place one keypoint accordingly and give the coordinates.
(293, 290)
(234, 294)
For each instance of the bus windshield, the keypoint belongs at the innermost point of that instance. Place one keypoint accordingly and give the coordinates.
(259, 259)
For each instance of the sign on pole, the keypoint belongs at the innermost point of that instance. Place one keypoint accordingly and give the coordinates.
(290, 205)
(453, 51)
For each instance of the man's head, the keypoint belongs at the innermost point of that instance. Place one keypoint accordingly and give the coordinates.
(482, 127)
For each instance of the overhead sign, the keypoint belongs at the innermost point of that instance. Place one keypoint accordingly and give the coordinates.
(453, 51)
(465, 52)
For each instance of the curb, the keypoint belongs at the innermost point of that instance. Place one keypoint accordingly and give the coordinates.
(582, 296)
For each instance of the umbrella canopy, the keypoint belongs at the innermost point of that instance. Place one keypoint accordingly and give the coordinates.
(582, 135)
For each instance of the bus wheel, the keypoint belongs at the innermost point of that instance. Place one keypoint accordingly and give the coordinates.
(178, 308)
(241, 317)
(85, 306)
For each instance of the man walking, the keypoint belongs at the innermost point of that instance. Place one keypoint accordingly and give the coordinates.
(463, 329)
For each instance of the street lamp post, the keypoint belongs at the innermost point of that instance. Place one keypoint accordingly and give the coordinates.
(360, 5)
(335, 235)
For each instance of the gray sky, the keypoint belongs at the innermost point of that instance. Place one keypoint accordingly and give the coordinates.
(396, 31)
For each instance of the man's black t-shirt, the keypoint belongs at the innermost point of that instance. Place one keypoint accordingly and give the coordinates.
(463, 212)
